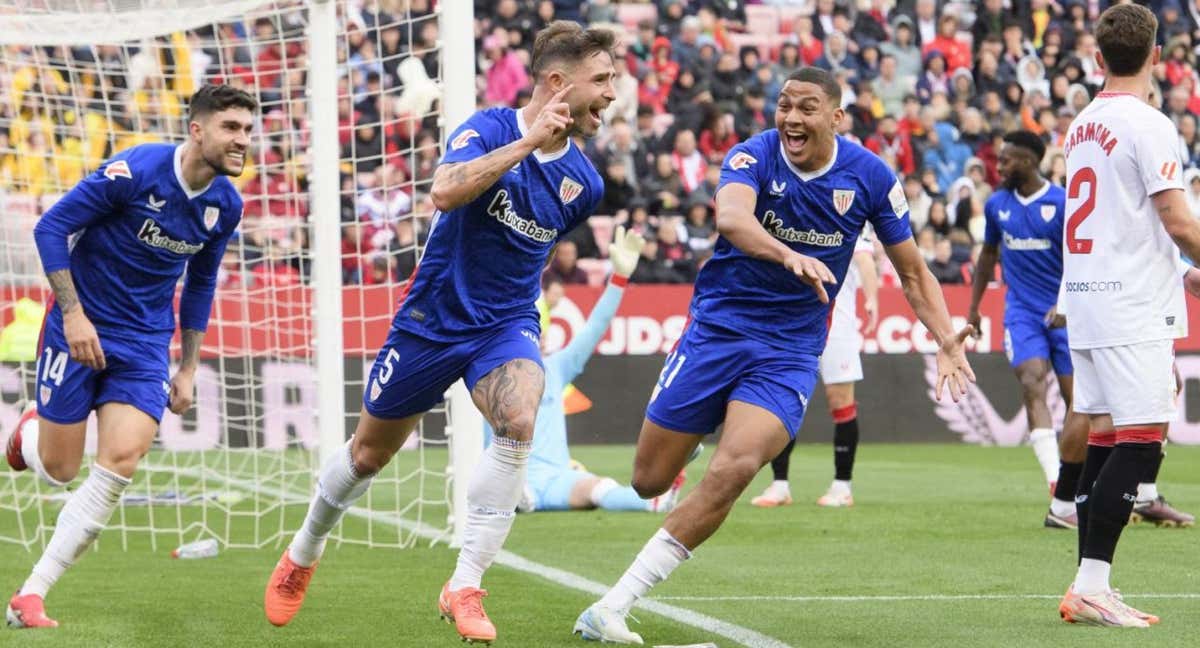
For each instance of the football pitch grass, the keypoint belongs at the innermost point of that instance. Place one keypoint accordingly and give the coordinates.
(944, 547)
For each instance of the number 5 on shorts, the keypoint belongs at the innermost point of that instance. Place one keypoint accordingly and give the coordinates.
(385, 372)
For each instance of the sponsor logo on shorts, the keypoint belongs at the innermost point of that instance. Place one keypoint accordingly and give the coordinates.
(501, 209)
(533, 337)
(376, 390)
(774, 225)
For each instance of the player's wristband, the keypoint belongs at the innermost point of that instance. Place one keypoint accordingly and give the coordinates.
(618, 281)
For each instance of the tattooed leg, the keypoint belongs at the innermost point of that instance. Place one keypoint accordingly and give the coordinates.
(509, 395)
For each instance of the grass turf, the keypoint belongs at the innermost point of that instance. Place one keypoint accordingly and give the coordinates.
(929, 520)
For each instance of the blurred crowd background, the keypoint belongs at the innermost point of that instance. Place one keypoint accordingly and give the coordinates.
(930, 86)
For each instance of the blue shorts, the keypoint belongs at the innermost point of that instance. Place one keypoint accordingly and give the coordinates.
(710, 367)
(411, 373)
(135, 373)
(552, 488)
(1026, 337)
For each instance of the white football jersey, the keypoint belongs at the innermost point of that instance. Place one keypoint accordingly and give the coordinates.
(845, 308)
(1120, 268)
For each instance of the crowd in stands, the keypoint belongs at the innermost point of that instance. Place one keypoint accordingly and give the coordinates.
(928, 85)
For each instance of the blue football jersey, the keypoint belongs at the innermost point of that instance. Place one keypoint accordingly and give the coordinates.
(1029, 233)
(819, 214)
(483, 262)
(127, 232)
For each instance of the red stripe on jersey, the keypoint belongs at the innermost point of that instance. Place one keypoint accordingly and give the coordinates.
(845, 414)
(1104, 438)
(42, 332)
(1109, 95)
(1139, 435)
(407, 286)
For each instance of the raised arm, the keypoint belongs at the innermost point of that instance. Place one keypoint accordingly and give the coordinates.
(924, 294)
(736, 222)
(457, 183)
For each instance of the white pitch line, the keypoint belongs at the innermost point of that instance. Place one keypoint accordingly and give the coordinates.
(913, 597)
(744, 636)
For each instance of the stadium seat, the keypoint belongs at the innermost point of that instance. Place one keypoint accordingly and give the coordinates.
(596, 269)
(762, 19)
(738, 41)
(788, 13)
(602, 229)
(631, 14)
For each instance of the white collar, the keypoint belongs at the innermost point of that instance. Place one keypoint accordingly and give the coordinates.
(179, 176)
(1029, 200)
(809, 176)
(537, 153)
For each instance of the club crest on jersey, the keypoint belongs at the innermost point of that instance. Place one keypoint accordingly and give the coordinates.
(569, 190)
(842, 200)
(1048, 213)
(741, 161)
(45, 393)
(118, 169)
(462, 139)
(211, 215)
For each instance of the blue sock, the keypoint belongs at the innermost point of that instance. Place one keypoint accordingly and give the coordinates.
(623, 499)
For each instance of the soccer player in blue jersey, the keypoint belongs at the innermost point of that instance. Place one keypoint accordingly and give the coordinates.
(511, 184)
(113, 249)
(1024, 232)
(552, 483)
(791, 202)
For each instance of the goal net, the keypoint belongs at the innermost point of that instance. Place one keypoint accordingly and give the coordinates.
(336, 209)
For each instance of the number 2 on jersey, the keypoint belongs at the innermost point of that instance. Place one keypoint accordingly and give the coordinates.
(1085, 175)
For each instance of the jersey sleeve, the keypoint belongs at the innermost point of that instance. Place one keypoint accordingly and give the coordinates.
(744, 164)
(475, 138)
(200, 282)
(96, 197)
(991, 227)
(889, 214)
(1157, 155)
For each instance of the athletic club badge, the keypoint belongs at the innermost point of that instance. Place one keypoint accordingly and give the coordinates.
(569, 190)
(1048, 213)
(211, 215)
(842, 199)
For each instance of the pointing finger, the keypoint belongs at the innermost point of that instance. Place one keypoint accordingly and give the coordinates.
(557, 98)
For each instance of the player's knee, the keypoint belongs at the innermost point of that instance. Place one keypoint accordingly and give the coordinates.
(368, 461)
(727, 479)
(648, 485)
(62, 470)
(122, 461)
(519, 426)
(1033, 385)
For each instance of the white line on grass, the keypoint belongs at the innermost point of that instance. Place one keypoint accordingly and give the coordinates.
(742, 635)
(913, 597)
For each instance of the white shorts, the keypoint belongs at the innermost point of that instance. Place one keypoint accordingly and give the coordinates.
(1135, 383)
(840, 363)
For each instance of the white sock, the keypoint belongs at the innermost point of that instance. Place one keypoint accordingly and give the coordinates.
(82, 519)
(602, 488)
(1045, 447)
(1147, 492)
(840, 485)
(29, 452)
(1092, 577)
(780, 485)
(337, 488)
(492, 499)
(661, 555)
(1060, 508)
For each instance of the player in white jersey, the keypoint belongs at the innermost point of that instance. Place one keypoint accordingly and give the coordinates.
(1127, 219)
(841, 367)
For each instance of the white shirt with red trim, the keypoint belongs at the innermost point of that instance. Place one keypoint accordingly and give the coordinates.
(1120, 267)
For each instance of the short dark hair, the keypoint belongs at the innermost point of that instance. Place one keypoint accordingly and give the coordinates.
(214, 98)
(1126, 36)
(823, 78)
(564, 41)
(1028, 141)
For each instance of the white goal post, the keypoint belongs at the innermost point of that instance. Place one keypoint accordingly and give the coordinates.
(308, 289)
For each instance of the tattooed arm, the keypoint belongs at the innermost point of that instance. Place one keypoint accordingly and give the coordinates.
(82, 339)
(455, 185)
